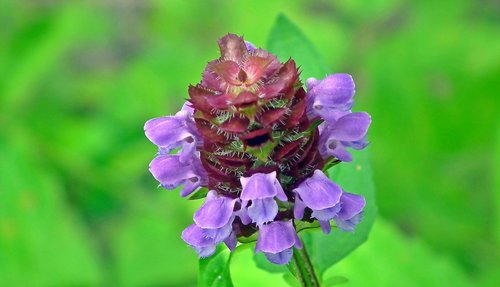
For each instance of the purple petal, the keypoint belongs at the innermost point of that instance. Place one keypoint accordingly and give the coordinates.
(351, 127)
(325, 226)
(220, 234)
(190, 186)
(298, 243)
(298, 209)
(258, 186)
(196, 237)
(357, 145)
(327, 213)
(333, 92)
(168, 132)
(263, 210)
(198, 168)
(276, 237)
(231, 241)
(332, 147)
(170, 172)
(215, 212)
(243, 214)
(204, 252)
(351, 205)
(172, 132)
(280, 193)
(280, 258)
(333, 115)
(188, 151)
(319, 192)
(350, 224)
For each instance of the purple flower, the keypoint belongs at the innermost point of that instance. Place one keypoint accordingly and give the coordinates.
(213, 225)
(348, 131)
(331, 97)
(261, 188)
(215, 212)
(248, 115)
(321, 195)
(196, 238)
(172, 172)
(350, 212)
(172, 132)
(277, 240)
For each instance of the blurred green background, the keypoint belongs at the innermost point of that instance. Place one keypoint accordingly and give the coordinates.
(78, 80)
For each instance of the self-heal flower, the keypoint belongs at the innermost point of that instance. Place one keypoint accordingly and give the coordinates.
(172, 132)
(216, 216)
(213, 225)
(331, 97)
(251, 136)
(321, 195)
(196, 237)
(348, 131)
(277, 240)
(351, 211)
(171, 171)
(261, 189)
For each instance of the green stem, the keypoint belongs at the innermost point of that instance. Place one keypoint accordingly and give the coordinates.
(303, 269)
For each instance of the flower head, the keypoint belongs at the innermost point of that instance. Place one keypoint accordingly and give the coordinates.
(249, 134)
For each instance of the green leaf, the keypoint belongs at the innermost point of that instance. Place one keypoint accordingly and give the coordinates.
(199, 194)
(286, 40)
(42, 242)
(391, 259)
(146, 245)
(496, 184)
(245, 273)
(214, 270)
(25, 65)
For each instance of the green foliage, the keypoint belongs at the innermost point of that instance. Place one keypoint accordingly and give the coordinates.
(246, 273)
(39, 233)
(214, 271)
(411, 262)
(77, 82)
(286, 41)
(141, 244)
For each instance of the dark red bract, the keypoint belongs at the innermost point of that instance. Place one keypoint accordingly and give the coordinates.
(250, 112)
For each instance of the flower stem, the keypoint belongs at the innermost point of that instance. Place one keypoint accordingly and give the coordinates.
(303, 269)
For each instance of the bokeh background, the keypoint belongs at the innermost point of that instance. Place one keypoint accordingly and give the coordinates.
(79, 79)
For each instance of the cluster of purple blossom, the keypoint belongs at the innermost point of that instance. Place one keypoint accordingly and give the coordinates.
(261, 196)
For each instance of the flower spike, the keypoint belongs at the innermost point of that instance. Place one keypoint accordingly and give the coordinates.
(255, 141)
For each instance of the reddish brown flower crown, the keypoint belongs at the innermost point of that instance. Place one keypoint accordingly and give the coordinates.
(250, 111)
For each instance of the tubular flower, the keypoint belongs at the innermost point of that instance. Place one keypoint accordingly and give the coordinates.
(277, 240)
(261, 189)
(213, 225)
(249, 134)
